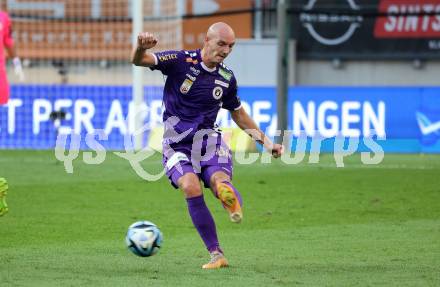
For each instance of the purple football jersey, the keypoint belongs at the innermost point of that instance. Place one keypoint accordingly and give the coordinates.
(193, 92)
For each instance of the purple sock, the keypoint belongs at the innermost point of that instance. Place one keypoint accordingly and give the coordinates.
(203, 221)
(235, 191)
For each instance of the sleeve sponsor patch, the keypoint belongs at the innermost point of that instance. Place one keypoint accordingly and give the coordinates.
(166, 57)
(226, 75)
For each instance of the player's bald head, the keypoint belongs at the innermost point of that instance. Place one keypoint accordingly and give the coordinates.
(221, 30)
(218, 44)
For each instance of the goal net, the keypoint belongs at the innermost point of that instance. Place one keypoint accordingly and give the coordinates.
(76, 58)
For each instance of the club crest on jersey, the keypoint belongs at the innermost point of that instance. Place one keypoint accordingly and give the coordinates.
(217, 93)
(186, 85)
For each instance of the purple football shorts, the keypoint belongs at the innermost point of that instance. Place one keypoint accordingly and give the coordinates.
(203, 157)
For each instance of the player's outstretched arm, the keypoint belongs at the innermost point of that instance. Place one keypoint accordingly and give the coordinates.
(18, 70)
(140, 56)
(246, 123)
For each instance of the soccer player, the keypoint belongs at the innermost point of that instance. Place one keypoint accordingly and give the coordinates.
(199, 83)
(6, 42)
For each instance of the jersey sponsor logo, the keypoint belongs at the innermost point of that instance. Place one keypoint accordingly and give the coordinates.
(167, 57)
(195, 71)
(226, 75)
(192, 78)
(217, 93)
(221, 83)
(186, 85)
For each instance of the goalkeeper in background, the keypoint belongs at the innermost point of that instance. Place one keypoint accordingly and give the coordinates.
(199, 83)
(6, 42)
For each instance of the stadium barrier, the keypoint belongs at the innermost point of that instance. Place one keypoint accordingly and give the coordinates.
(398, 119)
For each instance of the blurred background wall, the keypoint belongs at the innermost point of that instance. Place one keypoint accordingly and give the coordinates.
(353, 66)
(86, 42)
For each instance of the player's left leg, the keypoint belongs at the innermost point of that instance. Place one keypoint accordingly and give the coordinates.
(222, 187)
(3, 192)
(216, 173)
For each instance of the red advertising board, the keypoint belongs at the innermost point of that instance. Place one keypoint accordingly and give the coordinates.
(413, 25)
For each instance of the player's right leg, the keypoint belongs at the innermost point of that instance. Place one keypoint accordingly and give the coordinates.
(3, 192)
(182, 175)
(202, 219)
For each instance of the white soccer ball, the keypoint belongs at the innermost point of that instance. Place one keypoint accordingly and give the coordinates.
(143, 238)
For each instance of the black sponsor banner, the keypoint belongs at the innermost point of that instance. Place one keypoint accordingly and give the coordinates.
(366, 29)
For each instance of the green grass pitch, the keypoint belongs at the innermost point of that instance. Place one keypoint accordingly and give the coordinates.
(304, 225)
